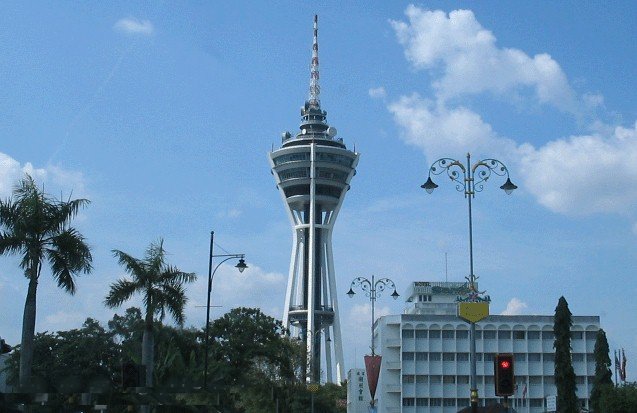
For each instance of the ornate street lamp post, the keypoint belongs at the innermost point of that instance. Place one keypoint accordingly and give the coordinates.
(372, 289)
(465, 179)
(241, 266)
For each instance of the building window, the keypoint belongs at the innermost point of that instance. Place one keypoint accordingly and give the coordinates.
(535, 379)
(434, 357)
(506, 334)
(579, 380)
(519, 335)
(549, 380)
(536, 403)
(462, 334)
(360, 398)
(478, 335)
(463, 379)
(488, 334)
(591, 335)
(408, 401)
(488, 380)
(519, 356)
(479, 356)
(489, 356)
(421, 378)
(590, 357)
(577, 335)
(447, 334)
(408, 378)
(448, 357)
(422, 401)
(463, 402)
(360, 379)
(434, 334)
(462, 356)
(408, 333)
(449, 379)
(435, 379)
(421, 333)
(449, 402)
(534, 357)
(577, 356)
(435, 401)
(549, 357)
(548, 335)
(533, 335)
(422, 356)
(408, 355)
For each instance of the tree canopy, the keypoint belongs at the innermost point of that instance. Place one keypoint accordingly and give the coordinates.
(564, 374)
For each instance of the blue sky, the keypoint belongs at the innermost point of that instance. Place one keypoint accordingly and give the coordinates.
(163, 114)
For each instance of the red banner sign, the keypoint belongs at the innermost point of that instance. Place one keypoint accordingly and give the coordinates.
(372, 365)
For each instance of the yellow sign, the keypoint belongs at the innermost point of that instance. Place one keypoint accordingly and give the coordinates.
(473, 312)
(313, 387)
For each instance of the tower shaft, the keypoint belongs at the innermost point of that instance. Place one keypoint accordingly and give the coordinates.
(313, 170)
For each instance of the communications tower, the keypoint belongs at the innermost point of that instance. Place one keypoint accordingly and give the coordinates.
(313, 170)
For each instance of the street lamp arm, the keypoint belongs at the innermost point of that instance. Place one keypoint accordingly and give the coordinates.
(483, 169)
(455, 170)
(363, 284)
(382, 284)
(230, 257)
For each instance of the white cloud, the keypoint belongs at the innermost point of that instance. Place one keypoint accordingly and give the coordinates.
(54, 178)
(377, 92)
(254, 288)
(468, 61)
(574, 175)
(515, 307)
(437, 129)
(584, 174)
(131, 25)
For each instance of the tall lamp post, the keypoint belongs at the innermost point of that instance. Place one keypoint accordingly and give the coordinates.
(372, 289)
(241, 266)
(465, 177)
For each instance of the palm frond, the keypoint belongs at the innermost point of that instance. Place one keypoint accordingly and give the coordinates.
(173, 274)
(10, 243)
(121, 290)
(133, 266)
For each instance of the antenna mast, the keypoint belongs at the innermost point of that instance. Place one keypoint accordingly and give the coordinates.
(315, 89)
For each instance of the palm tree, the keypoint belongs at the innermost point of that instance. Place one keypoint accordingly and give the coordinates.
(36, 226)
(162, 288)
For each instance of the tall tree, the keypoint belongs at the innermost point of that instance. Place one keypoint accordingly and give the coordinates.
(162, 289)
(564, 374)
(603, 376)
(37, 227)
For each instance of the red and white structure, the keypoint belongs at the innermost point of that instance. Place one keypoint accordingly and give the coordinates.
(313, 170)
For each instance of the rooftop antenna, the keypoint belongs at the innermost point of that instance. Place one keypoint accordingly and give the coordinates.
(315, 89)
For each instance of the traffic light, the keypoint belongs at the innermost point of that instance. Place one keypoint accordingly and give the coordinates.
(130, 375)
(504, 377)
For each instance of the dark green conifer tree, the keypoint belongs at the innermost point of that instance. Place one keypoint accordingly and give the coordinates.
(603, 376)
(564, 374)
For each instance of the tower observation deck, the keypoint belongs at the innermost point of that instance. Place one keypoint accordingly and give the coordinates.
(313, 170)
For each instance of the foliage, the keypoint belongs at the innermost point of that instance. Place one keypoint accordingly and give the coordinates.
(618, 399)
(603, 376)
(37, 227)
(64, 363)
(564, 374)
(162, 289)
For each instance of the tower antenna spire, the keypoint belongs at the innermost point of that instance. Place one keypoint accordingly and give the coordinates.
(315, 89)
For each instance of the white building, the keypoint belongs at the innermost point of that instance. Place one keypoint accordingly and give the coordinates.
(425, 351)
(358, 397)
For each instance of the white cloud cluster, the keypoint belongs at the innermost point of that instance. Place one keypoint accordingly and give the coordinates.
(377, 92)
(575, 175)
(54, 178)
(515, 306)
(131, 25)
(472, 63)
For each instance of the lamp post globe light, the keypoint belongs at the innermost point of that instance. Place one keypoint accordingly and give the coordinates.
(372, 289)
(241, 266)
(470, 179)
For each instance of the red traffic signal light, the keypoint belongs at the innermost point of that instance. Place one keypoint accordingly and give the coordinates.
(504, 376)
